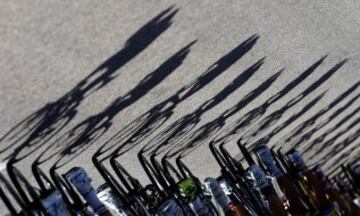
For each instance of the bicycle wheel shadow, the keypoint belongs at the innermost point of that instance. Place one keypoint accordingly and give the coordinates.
(304, 131)
(82, 136)
(209, 129)
(43, 125)
(252, 125)
(87, 132)
(146, 124)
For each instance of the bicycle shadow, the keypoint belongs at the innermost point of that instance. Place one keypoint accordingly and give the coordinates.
(146, 124)
(209, 129)
(87, 132)
(39, 128)
(306, 137)
(254, 125)
(305, 126)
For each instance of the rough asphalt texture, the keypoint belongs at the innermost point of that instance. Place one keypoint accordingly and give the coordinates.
(76, 76)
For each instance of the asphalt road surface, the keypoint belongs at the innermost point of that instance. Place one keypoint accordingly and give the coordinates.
(113, 77)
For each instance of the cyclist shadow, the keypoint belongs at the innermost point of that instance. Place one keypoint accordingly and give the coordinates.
(306, 137)
(87, 132)
(249, 118)
(302, 131)
(275, 116)
(317, 148)
(184, 125)
(267, 138)
(39, 128)
(252, 122)
(209, 129)
(338, 156)
(134, 133)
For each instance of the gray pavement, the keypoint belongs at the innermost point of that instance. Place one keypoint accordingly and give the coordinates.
(84, 77)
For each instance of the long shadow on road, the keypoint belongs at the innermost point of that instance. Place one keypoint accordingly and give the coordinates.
(91, 129)
(209, 129)
(41, 126)
(182, 126)
(131, 135)
(266, 139)
(303, 140)
(252, 123)
(255, 114)
(307, 124)
(275, 116)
